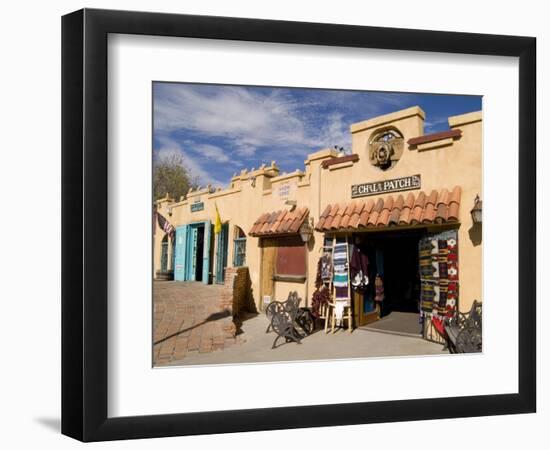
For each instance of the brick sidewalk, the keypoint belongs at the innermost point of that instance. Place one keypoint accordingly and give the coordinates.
(188, 319)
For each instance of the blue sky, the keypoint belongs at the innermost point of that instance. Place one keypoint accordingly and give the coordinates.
(219, 130)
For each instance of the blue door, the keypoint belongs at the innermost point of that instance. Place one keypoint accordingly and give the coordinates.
(206, 253)
(196, 255)
(180, 260)
(192, 253)
(221, 253)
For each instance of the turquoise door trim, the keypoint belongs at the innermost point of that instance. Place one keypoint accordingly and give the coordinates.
(189, 253)
(206, 253)
(221, 253)
(180, 259)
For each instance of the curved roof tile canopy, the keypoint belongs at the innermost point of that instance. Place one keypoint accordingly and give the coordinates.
(279, 223)
(403, 210)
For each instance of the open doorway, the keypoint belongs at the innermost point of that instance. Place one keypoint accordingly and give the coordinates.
(198, 253)
(393, 258)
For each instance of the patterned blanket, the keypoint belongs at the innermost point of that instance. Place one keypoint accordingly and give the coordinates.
(438, 260)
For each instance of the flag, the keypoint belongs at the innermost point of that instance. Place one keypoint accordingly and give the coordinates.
(165, 225)
(218, 223)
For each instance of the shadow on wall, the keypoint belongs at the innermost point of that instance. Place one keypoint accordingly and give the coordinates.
(244, 295)
(237, 293)
(475, 234)
(311, 243)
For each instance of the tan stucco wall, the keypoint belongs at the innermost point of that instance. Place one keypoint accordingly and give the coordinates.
(441, 164)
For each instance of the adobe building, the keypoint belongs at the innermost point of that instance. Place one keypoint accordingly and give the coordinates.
(402, 197)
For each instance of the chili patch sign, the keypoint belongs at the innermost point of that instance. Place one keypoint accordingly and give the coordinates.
(381, 187)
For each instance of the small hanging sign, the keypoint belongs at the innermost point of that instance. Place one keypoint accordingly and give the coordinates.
(197, 206)
(380, 187)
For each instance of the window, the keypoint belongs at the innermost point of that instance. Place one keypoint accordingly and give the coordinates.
(239, 253)
(164, 254)
(291, 258)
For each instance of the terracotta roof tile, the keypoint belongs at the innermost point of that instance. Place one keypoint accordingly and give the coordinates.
(324, 215)
(405, 216)
(326, 212)
(454, 203)
(373, 216)
(438, 207)
(455, 195)
(365, 213)
(321, 222)
(428, 215)
(396, 210)
(285, 225)
(347, 215)
(442, 206)
(334, 210)
(298, 220)
(258, 224)
(416, 213)
(355, 216)
(349, 209)
(278, 220)
(384, 216)
(338, 217)
(279, 223)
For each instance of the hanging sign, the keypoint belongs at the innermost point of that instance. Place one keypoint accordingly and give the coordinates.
(197, 206)
(285, 190)
(381, 187)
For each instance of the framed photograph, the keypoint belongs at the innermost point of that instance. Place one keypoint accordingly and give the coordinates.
(273, 224)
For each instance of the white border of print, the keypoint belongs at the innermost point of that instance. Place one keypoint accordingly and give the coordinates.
(137, 389)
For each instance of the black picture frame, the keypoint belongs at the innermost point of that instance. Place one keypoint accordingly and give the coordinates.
(84, 224)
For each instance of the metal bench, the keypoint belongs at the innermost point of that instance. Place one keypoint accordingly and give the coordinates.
(288, 320)
(464, 331)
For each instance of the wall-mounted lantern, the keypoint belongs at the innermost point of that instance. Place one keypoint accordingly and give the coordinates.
(306, 231)
(476, 211)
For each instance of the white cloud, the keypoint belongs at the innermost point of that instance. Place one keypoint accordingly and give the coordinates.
(249, 119)
(253, 121)
(211, 152)
(336, 132)
(246, 150)
(170, 148)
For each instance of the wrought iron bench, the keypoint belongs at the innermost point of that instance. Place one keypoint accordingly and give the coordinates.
(464, 330)
(288, 320)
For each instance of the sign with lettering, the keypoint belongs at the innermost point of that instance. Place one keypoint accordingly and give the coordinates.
(381, 187)
(285, 190)
(197, 206)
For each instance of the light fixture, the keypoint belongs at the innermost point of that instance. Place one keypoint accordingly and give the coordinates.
(476, 211)
(291, 203)
(306, 231)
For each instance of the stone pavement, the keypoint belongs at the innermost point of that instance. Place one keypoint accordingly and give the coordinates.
(190, 327)
(188, 320)
(255, 346)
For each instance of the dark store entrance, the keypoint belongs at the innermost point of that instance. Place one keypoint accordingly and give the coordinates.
(393, 257)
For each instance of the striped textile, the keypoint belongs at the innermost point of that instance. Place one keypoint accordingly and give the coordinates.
(340, 260)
